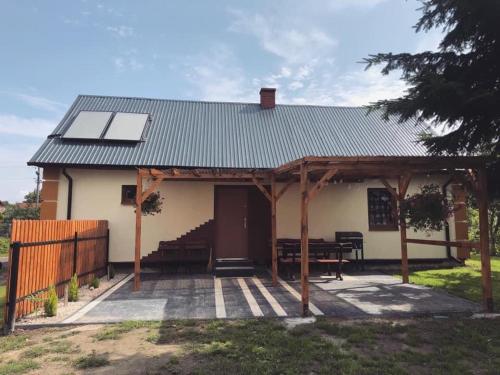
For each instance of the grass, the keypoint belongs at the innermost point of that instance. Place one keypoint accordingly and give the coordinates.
(13, 342)
(462, 281)
(115, 331)
(52, 347)
(18, 367)
(92, 360)
(267, 347)
(264, 346)
(2, 302)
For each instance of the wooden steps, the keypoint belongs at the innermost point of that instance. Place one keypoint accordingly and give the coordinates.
(233, 267)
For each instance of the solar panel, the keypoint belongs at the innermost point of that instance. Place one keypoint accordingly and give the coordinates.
(88, 125)
(127, 126)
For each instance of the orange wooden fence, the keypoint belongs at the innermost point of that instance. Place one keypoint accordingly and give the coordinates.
(50, 251)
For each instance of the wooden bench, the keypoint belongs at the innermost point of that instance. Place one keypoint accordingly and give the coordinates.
(320, 252)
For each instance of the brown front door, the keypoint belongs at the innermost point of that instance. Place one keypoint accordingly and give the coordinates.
(231, 226)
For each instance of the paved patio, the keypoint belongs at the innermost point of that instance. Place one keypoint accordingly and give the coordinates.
(203, 297)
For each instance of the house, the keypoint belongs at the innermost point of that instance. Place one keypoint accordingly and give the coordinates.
(90, 163)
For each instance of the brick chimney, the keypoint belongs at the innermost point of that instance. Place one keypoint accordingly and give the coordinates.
(267, 98)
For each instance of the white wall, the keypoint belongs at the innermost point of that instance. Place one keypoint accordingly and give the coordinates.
(344, 207)
(97, 195)
(338, 207)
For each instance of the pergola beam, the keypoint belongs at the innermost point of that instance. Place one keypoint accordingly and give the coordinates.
(284, 188)
(484, 241)
(154, 185)
(304, 239)
(403, 183)
(274, 237)
(262, 188)
(138, 220)
(321, 183)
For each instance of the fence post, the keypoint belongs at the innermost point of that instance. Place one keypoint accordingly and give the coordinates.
(107, 252)
(12, 298)
(75, 253)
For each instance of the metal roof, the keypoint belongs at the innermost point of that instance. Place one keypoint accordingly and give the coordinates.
(231, 135)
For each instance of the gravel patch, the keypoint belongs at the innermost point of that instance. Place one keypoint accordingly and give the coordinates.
(85, 296)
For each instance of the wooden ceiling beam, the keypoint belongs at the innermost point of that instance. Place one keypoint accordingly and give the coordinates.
(262, 188)
(321, 183)
(284, 189)
(154, 185)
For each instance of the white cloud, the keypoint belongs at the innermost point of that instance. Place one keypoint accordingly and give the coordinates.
(281, 39)
(217, 76)
(429, 41)
(305, 55)
(121, 31)
(352, 89)
(28, 127)
(40, 102)
(128, 61)
(17, 178)
(336, 5)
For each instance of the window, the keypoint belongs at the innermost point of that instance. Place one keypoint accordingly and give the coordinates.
(382, 214)
(128, 194)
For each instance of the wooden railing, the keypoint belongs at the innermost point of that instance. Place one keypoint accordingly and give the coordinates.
(48, 252)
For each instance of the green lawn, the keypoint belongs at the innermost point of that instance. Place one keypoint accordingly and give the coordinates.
(462, 281)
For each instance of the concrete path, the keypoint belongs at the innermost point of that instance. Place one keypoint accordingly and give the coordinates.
(203, 297)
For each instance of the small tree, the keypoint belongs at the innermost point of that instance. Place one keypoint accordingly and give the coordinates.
(50, 304)
(73, 289)
(30, 197)
(15, 212)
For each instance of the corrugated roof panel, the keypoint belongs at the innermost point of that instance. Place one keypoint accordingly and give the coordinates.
(232, 135)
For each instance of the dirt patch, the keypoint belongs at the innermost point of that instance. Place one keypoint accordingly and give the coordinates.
(85, 296)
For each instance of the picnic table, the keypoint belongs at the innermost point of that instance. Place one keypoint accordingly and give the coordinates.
(326, 253)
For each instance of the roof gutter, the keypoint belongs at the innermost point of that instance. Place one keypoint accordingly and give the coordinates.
(70, 194)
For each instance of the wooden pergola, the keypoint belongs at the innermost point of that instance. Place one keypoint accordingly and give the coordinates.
(314, 173)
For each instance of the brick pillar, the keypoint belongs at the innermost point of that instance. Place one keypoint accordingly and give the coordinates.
(50, 187)
(460, 216)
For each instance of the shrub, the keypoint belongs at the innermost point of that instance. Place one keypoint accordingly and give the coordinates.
(50, 304)
(95, 282)
(4, 245)
(73, 289)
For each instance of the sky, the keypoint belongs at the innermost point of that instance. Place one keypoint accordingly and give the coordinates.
(310, 50)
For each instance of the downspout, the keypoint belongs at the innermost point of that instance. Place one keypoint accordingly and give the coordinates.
(70, 194)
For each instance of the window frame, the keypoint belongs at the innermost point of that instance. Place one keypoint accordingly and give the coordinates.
(394, 206)
(127, 201)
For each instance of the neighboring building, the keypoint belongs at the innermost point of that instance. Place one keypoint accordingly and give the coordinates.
(101, 141)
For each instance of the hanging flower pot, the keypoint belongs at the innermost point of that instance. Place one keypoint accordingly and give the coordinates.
(152, 205)
(426, 210)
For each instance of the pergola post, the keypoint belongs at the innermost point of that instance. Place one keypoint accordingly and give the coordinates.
(304, 237)
(274, 248)
(138, 220)
(482, 202)
(403, 183)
